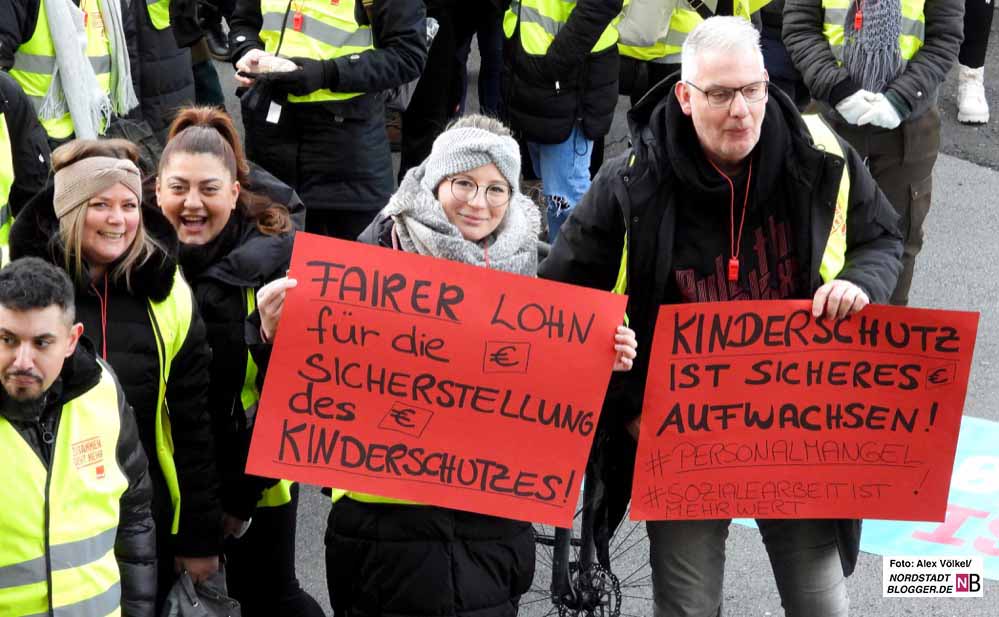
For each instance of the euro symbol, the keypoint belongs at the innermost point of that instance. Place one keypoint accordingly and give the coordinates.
(938, 376)
(500, 356)
(402, 417)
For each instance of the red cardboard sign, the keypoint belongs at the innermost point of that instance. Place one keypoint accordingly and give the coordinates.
(757, 409)
(435, 381)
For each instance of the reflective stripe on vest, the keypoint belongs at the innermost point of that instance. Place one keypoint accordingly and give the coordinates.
(280, 493)
(541, 21)
(34, 64)
(323, 31)
(159, 13)
(681, 23)
(6, 180)
(910, 40)
(171, 320)
(834, 256)
(78, 496)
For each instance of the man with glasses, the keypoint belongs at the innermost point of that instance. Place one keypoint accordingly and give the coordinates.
(727, 193)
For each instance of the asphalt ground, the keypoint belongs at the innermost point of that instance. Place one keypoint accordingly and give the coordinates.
(958, 269)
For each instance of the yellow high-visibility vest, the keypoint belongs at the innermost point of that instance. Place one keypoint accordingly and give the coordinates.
(159, 13)
(910, 40)
(6, 181)
(57, 555)
(280, 493)
(317, 29)
(541, 20)
(834, 255)
(35, 63)
(682, 22)
(171, 320)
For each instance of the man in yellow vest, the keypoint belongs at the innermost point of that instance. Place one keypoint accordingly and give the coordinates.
(320, 127)
(24, 153)
(876, 68)
(712, 203)
(80, 540)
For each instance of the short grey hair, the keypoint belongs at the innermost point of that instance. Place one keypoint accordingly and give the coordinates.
(718, 34)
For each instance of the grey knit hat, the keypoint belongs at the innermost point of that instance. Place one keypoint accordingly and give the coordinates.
(465, 148)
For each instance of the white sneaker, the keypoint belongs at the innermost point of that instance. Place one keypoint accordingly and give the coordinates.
(972, 106)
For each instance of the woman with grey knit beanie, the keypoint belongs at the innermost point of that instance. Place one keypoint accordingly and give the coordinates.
(386, 556)
(464, 203)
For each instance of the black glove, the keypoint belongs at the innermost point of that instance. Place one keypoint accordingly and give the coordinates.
(310, 76)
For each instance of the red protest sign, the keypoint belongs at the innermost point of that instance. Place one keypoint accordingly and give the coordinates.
(434, 381)
(757, 409)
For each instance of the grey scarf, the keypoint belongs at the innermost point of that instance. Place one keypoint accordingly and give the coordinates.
(423, 228)
(871, 54)
(81, 95)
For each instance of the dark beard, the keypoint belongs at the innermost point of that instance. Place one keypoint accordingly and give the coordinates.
(26, 412)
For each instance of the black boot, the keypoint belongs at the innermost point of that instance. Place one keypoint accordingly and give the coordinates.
(211, 25)
(218, 42)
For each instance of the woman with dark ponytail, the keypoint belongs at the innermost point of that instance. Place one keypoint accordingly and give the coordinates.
(234, 240)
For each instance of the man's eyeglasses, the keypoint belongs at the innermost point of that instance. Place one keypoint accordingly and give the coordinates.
(722, 97)
(497, 195)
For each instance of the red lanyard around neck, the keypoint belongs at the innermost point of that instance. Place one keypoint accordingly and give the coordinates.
(735, 241)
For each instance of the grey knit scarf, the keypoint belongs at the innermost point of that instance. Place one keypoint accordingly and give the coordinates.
(871, 54)
(81, 94)
(423, 228)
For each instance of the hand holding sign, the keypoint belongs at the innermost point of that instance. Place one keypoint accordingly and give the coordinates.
(626, 346)
(270, 301)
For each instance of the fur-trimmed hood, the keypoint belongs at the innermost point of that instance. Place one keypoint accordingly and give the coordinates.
(36, 233)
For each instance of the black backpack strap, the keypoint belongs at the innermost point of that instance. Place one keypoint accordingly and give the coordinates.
(701, 8)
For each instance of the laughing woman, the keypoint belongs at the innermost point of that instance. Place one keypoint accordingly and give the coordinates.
(233, 241)
(140, 314)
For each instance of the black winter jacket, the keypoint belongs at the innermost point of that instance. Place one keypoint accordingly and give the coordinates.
(547, 95)
(636, 194)
(915, 88)
(400, 52)
(161, 72)
(131, 349)
(242, 258)
(28, 142)
(135, 542)
(400, 560)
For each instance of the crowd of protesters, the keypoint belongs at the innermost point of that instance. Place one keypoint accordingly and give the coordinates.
(145, 247)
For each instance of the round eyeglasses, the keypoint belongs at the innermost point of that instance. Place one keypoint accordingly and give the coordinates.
(464, 189)
(722, 97)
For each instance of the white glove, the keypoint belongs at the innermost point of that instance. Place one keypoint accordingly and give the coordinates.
(856, 105)
(882, 113)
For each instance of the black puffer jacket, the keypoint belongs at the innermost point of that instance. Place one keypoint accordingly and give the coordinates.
(399, 560)
(161, 72)
(637, 193)
(28, 142)
(220, 273)
(546, 95)
(135, 543)
(130, 345)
